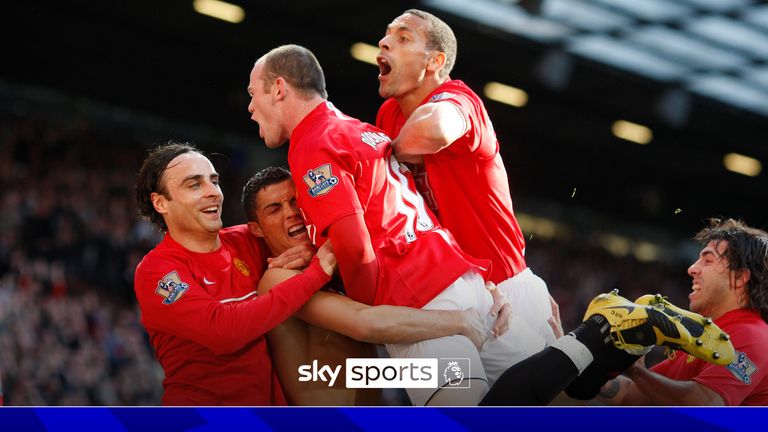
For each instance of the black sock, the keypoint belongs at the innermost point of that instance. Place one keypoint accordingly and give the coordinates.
(594, 333)
(606, 366)
(534, 381)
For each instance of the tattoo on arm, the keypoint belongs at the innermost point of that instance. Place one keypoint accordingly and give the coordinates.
(610, 389)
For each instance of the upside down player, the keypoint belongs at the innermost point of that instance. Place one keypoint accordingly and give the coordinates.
(328, 327)
(196, 289)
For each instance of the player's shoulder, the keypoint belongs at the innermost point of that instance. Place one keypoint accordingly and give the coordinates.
(356, 137)
(237, 233)
(160, 264)
(754, 331)
(453, 89)
(241, 241)
(161, 254)
(749, 333)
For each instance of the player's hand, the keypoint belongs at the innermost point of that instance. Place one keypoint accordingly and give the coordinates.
(501, 310)
(327, 258)
(554, 320)
(295, 258)
(474, 327)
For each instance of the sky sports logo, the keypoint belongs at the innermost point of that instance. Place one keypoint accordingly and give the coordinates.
(392, 373)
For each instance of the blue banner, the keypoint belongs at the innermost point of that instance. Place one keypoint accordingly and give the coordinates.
(569, 419)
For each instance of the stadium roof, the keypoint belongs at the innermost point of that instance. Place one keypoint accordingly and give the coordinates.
(688, 77)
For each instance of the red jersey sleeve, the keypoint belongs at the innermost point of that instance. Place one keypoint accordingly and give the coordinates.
(172, 302)
(325, 181)
(465, 106)
(737, 381)
(357, 260)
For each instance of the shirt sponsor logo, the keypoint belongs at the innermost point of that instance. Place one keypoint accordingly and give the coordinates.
(320, 180)
(171, 288)
(441, 96)
(743, 368)
(374, 138)
(240, 265)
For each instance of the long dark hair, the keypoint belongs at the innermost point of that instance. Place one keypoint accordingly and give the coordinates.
(747, 250)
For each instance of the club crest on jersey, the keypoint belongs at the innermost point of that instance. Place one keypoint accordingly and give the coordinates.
(374, 138)
(171, 288)
(743, 368)
(441, 96)
(240, 265)
(320, 180)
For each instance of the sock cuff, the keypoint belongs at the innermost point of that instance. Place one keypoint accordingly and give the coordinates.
(579, 354)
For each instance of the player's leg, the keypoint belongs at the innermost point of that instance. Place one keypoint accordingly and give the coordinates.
(449, 347)
(518, 343)
(529, 297)
(539, 378)
(660, 323)
(458, 296)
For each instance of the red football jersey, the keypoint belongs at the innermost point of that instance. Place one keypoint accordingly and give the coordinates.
(206, 322)
(342, 166)
(742, 382)
(466, 183)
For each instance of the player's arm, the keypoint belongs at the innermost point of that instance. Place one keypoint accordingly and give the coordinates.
(645, 387)
(379, 324)
(389, 324)
(226, 327)
(357, 260)
(431, 128)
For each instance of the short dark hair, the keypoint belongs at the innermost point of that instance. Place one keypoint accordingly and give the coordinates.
(440, 37)
(260, 180)
(298, 66)
(747, 250)
(150, 178)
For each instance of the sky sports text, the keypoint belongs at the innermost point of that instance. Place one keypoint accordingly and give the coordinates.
(392, 372)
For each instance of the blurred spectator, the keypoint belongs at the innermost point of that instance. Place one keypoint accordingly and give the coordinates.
(69, 238)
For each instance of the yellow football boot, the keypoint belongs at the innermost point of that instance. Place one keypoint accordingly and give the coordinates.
(636, 328)
(708, 342)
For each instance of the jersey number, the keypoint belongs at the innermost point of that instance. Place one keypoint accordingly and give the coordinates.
(409, 202)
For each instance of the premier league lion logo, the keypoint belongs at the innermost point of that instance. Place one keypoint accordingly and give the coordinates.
(453, 375)
(320, 180)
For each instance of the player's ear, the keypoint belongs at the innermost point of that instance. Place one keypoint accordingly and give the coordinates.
(436, 61)
(278, 89)
(255, 229)
(159, 201)
(743, 276)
